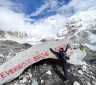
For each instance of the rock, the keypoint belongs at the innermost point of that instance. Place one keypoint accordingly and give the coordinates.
(34, 82)
(80, 72)
(94, 82)
(42, 81)
(90, 55)
(49, 72)
(76, 83)
(15, 83)
(88, 83)
(84, 68)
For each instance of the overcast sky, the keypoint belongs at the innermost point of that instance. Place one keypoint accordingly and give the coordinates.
(42, 17)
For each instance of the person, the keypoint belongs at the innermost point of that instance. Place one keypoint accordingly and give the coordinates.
(62, 55)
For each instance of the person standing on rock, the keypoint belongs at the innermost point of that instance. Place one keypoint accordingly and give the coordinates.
(63, 56)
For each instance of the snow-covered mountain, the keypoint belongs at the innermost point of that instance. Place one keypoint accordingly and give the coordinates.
(23, 37)
(9, 35)
(81, 28)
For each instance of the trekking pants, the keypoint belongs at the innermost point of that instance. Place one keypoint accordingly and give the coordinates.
(64, 68)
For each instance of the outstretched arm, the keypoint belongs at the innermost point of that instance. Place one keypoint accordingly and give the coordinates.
(56, 53)
(66, 48)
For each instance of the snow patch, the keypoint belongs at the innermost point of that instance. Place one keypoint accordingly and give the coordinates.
(92, 38)
(84, 68)
(77, 57)
(92, 47)
(63, 32)
(1, 55)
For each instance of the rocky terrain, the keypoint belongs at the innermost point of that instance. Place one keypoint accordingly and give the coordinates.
(49, 72)
(8, 49)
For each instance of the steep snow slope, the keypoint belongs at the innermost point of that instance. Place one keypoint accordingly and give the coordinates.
(81, 28)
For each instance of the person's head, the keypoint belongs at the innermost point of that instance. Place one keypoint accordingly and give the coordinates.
(61, 49)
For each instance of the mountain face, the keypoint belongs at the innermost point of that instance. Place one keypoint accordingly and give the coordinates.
(21, 37)
(81, 28)
(14, 36)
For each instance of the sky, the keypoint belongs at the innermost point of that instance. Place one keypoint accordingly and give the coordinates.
(39, 17)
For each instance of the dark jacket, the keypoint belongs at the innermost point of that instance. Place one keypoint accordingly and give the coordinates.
(61, 55)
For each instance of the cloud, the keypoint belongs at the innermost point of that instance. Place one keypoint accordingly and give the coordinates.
(6, 3)
(79, 5)
(11, 20)
(67, 10)
(39, 10)
(52, 4)
(11, 5)
(49, 26)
